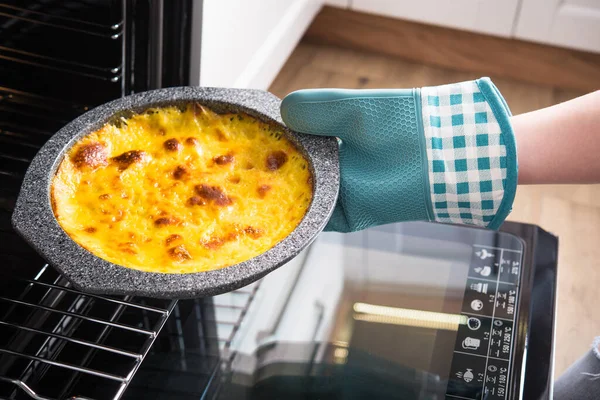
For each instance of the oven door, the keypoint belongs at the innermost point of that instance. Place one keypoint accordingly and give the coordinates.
(405, 311)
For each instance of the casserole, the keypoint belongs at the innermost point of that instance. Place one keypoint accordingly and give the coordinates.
(33, 217)
(181, 190)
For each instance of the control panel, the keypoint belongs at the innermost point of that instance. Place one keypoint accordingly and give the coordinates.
(483, 349)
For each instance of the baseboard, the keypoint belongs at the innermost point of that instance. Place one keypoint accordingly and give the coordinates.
(455, 49)
(273, 53)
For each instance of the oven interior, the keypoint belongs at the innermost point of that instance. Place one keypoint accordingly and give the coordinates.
(57, 60)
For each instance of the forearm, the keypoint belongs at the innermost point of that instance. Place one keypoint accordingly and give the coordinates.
(560, 144)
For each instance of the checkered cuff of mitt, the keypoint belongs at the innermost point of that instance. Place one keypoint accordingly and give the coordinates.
(471, 153)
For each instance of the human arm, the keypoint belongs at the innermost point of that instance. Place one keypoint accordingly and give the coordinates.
(560, 144)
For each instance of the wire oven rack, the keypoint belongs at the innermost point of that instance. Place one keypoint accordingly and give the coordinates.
(55, 19)
(53, 337)
(56, 341)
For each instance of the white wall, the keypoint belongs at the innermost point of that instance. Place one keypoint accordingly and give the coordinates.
(338, 3)
(569, 23)
(495, 17)
(246, 42)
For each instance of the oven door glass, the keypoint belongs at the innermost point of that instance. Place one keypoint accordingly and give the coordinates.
(405, 311)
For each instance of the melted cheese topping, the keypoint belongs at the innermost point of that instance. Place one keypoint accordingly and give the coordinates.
(177, 191)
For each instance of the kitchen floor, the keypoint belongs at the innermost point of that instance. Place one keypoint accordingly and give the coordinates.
(572, 212)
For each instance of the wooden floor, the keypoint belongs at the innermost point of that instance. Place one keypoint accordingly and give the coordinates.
(571, 212)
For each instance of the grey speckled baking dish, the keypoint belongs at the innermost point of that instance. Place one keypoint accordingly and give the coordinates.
(34, 219)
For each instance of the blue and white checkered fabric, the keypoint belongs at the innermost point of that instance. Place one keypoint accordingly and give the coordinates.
(466, 153)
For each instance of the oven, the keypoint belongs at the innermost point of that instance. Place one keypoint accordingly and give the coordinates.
(407, 311)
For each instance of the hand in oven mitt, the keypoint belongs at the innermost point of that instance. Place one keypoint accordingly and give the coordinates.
(444, 153)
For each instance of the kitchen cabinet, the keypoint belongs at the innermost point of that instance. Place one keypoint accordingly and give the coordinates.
(569, 23)
(246, 42)
(485, 16)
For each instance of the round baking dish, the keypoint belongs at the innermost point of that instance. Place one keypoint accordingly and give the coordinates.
(34, 219)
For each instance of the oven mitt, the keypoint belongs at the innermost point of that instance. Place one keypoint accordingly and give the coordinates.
(444, 153)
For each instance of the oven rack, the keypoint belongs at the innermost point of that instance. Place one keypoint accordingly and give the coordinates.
(231, 309)
(198, 372)
(54, 13)
(57, 58)
(26, 122)
(112, 74)
(51, 336)
(55, 20)
(46, 318)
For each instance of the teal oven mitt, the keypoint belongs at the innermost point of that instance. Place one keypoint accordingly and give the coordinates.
(444, 153)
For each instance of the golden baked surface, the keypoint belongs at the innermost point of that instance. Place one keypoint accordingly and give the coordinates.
(181, 191)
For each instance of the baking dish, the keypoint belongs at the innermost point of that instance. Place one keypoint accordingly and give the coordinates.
(33, 217)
